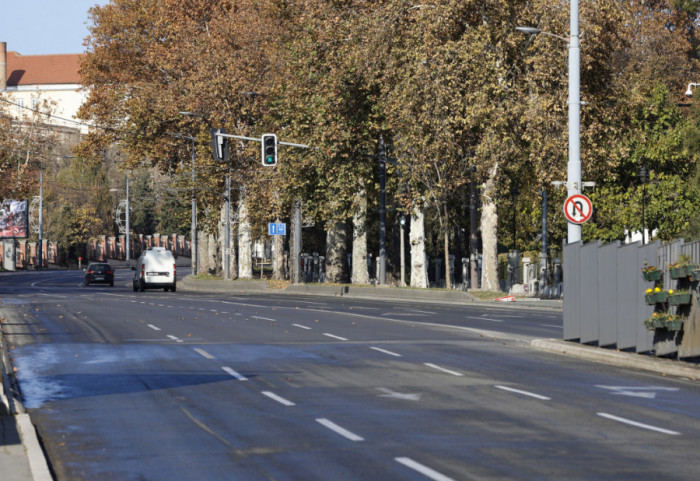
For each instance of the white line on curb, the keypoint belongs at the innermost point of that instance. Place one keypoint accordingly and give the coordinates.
(174, 338)
(339, 430)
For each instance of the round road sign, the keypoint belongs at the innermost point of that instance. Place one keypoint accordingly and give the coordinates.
(578, 209)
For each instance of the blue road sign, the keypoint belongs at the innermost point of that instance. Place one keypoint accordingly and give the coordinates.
(276, 228)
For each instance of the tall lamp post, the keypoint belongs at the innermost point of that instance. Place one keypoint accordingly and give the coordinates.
(643, 178)
(127, 238)
(40, 248)
(573, 183)
(194, 253)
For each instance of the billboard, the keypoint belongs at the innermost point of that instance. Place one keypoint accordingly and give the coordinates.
(14, 219)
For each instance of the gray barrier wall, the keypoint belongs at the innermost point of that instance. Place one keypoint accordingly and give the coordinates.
(604, 293)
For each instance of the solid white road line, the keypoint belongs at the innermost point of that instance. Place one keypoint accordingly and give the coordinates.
(279, 399)
(334, 336)
(422, 469)
(155, 328)
(203, 353)
(524, 393)
(385, 351)
(263, 318)
(174, 338)
(234, 373)
(339, 430)
(483, 319)
(639, 425)
(454, 373)
(300, 326)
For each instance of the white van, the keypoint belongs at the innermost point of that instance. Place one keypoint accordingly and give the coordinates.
(155, 269)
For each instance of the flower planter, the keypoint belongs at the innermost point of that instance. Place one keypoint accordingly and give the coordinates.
(676, 325)
(652, 274)
(682, 272)
(679, 299)
(660, 322)
(655, 297)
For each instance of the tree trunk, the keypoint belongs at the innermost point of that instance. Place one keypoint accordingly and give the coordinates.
(222, 244)
(294, 249)
(211, 254)
(419, 271)
(336, 253)
(489, 223)
(446, 230)
(203, 247)
(360, 273)
(278, 267)
(245, 264)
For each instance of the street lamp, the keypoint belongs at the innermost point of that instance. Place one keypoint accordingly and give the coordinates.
(194, 252)
(402, 225)
(127, 238)
(689, 91)
(40, 248)
(573, 184)
(643, 178)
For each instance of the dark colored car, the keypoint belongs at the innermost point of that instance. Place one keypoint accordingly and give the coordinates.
(99, 273)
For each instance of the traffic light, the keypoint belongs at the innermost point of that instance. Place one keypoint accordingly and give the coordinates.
(269, 150)
(219, 145)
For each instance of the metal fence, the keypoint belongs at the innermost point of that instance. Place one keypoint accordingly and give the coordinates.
(604, 291)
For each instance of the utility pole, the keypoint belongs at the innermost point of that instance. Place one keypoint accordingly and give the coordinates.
(40, 248)
(227, 232)
(127, 240)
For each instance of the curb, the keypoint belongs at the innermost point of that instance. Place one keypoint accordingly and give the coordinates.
(38, 465)
(349, 291)
(618, 358)
(35, 455)
(212, 285)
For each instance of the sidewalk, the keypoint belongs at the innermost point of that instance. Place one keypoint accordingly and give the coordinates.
(21, 456)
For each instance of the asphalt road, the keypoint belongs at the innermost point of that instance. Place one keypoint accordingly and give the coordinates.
(165, 386)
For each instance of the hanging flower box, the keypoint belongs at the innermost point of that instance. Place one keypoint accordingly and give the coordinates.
(651, 273)
(663, 320)
(681, 272)
(678, 298)
(655, 295)
(674, 324)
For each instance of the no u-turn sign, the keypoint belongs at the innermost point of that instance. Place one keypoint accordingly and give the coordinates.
(578, 209)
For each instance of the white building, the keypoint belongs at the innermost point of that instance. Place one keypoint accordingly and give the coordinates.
(28, 80)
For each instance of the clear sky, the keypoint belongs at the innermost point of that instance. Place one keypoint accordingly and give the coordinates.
(38, 27)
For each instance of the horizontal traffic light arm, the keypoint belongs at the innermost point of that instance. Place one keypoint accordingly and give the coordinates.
(254, 139)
